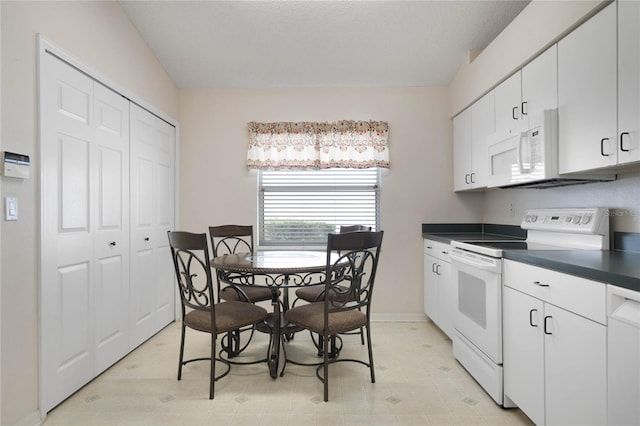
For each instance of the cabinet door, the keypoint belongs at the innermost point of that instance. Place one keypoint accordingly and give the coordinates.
(447, 298)
(462, 150)
(587, 94)
(575, 369)
(430, 287)
(523, 352)
(540, 85)
(508, 97)
(628, 81)
(483, 119)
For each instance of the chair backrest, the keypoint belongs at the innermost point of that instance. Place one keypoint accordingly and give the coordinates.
(190, 255)
(353, 228)
(351, 277)
(229, 239)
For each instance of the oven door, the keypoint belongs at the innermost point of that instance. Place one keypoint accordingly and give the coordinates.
(478, 315)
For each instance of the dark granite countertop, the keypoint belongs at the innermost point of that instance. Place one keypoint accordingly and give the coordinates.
(467, 236)
(620, 268)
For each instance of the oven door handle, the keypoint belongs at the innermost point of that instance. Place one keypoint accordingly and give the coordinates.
(485, 266)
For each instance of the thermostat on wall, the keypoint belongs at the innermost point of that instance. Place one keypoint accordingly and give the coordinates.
(15, 165)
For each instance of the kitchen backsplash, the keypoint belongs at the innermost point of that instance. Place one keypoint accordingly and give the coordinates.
(621, 196)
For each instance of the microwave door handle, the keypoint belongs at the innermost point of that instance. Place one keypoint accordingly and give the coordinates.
(520, 154)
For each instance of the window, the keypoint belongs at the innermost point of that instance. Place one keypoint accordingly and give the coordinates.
(300, 207)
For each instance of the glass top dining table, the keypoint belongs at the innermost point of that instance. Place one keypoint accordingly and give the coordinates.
(277, 270)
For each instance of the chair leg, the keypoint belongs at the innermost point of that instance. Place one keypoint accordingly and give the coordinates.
(212, 379)
(373, 375)
(325, 354)
(184, 327)
(362, 335)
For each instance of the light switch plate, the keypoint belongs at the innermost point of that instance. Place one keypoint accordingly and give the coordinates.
(10, 208)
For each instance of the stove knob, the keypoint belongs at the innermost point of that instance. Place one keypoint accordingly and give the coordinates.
(576, 219)
(586, 219)
(534, 218)
(568, 219)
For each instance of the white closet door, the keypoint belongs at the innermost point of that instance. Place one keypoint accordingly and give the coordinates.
(164, 210)
(67, 153)
(111, 217)
(152, 288)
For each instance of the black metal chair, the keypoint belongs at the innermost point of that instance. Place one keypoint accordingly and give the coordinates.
(231, 239)
(349, 283)
(316, 293)
(200, 312)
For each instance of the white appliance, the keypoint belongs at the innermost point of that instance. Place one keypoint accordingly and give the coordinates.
(530, 158)
(477, 275)
(623, 387)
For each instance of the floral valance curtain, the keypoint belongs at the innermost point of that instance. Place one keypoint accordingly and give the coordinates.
(307, 145)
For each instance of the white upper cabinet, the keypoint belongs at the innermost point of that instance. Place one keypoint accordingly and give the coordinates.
(540, 85)
(587, 98)
(508, 97)
(628, 81)
(526, 93)
(470, 131)
(462, 150)
(483, 124)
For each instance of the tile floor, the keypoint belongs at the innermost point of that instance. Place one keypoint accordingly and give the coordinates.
(418, 382)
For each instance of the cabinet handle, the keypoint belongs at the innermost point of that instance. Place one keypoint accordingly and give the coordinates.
(531, 317)
(622, 140)
(522, 108)
(546, 331)
(472, 181)
(466, 179)
(433, 268)
(602, 147)
(539, 284)
(444, 252)
(112, 243)
(514, 112)
(146, 238)
(429, 247)
(438, 269)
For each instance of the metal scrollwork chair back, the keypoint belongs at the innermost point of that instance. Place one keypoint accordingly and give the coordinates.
(316, 293)
(190, 255)
(349, 283)
(233, 239)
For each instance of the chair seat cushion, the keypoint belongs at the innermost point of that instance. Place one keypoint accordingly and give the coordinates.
(311, 317)
(254, 293)
(229, 316)
(314, 293)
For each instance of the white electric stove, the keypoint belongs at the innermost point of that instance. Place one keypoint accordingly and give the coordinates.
(477, 275)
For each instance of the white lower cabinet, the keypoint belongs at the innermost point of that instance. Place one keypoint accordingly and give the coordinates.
(439, 291)
(555, 362)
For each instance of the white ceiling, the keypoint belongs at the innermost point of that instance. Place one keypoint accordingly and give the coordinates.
(317, 43)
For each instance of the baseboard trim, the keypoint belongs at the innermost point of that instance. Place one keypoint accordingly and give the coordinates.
(398, 317)
(31, 419)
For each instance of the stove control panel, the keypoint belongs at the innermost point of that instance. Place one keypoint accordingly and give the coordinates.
(592, 220)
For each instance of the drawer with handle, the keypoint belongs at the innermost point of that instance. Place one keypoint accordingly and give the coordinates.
(579, 295)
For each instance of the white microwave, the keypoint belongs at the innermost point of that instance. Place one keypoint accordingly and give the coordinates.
(530, 158)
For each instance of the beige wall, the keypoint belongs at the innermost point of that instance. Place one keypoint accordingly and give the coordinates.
(99, 35)
(538, 26)
(217, 188)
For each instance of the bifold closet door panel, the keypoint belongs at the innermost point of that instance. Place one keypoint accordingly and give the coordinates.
(68, 265)
(111, 217)
(152, 204)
